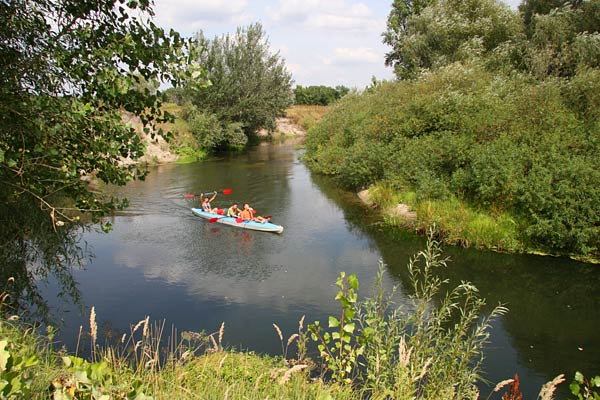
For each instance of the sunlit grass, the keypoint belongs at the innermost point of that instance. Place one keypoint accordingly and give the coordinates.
(457, 222)
(305, 115)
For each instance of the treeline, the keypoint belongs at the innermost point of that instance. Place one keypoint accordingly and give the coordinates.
(495, 109)
(319, 95)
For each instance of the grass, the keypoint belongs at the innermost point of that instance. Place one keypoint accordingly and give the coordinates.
(457, 223)
(306, 116)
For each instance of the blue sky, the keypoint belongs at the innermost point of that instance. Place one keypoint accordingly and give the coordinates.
(334, 42)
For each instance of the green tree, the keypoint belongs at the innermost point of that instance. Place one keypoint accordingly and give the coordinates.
(398, 25)
(564, 40)
(441, 32)
(249, 85)
(69, 69)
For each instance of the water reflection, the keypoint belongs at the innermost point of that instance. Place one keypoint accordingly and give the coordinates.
(554, 319)
(162, 261)
(33, 251)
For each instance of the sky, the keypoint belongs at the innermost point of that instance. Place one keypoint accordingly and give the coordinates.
(324, 42)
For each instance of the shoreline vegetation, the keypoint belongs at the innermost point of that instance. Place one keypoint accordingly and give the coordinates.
(490, 129)
(457, 223)
(182, 147)
(430, 348)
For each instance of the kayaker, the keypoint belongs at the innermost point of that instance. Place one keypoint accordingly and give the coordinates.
(206, 207)
(233, 211)
(247, 214)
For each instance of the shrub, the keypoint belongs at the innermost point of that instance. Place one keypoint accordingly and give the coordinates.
(432, 348)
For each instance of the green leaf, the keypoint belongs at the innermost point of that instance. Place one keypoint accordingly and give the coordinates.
(353, 282)
(66, 361)
(4, 355)
(595, 382)
(574, 387)
(333, 322)
(579, 377)
(349, 328)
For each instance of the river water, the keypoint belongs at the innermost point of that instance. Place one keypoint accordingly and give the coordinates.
(162, 261)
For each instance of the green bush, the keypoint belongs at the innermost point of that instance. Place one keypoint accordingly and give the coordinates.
(211, 134)
(431, 349)
(502, 144)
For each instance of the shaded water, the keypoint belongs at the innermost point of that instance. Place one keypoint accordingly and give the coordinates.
(161, 261)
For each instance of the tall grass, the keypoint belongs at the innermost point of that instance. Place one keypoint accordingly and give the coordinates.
(430, 348)
(457, 222)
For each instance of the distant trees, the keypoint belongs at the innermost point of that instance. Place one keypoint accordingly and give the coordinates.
(319, 95)
(250, 86)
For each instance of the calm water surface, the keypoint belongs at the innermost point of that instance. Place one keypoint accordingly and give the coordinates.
(161, 261)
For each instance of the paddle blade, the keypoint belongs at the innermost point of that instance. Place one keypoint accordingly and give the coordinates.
(226, 191)
(213, 220)
(267, 217)
(239, 220)
(189, 195)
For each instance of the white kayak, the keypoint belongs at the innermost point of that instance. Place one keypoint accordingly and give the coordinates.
(253, 225)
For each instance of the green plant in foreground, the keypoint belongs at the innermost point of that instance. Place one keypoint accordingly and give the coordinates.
(431, 348)
(583, 388)
(15, 372)
(341, 348)
(93, 380)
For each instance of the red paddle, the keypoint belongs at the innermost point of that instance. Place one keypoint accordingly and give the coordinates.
(191, 195)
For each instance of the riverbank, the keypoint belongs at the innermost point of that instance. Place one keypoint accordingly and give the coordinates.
(457, 223)
(183, 147)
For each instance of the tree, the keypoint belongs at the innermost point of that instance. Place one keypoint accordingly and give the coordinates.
(398, 25)
(249, 85)
(69, 69)
(446, 31)
(564, 39)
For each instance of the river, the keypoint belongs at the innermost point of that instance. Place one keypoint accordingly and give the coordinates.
(163, 262)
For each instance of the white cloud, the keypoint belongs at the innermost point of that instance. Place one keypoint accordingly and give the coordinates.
(332, 15)
(191, 15)
(353, 56)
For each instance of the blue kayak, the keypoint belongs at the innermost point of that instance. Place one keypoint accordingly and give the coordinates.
(256, 226)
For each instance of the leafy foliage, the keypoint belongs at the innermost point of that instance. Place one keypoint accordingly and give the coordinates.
(431, 349)
(438, 33)
(92, 380)
(340, 349)
(15, 372)
(584, 388)
(453, 133)
(319, 95)
(69, 69)
(250, 86)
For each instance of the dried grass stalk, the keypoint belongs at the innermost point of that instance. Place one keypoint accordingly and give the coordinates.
(547, 392)
(289, 372)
